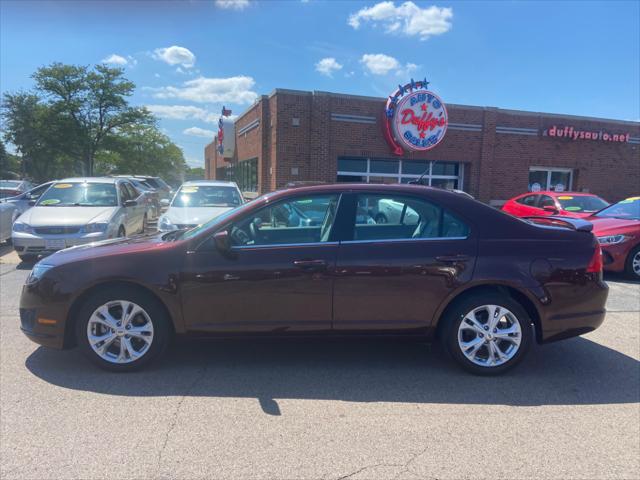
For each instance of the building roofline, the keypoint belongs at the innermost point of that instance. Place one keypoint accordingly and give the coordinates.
(507, 111)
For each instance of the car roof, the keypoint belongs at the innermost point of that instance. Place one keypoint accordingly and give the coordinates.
(90, 180)
(210, 183)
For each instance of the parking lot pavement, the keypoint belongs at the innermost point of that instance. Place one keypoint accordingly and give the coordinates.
(326, 410)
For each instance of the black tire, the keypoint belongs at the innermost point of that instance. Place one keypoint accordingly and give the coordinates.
(121, 232)
(28, 258)
(455, 315)
(381, 218)
(144, 224)
(628, 265)
(155, 311)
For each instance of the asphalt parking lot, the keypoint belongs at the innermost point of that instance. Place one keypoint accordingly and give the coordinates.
(322, 410)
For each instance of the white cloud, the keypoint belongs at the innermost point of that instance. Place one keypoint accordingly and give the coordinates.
(183, 112)
(199, 132)
(232, 4)
(327, 66)
(175, 55)
(407, 18)
(212, 90)
(114, 59)
(379, 63)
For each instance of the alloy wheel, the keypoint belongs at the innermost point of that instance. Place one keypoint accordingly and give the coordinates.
(489, 335)
(120, 331)
(635, 263)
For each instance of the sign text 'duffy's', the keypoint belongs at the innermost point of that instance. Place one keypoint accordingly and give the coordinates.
(575, 134)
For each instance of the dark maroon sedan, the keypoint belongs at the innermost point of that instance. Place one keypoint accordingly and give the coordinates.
(313, 260)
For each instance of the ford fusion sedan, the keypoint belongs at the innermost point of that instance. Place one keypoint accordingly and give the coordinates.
(618, 231)
(199, 201)
(485, 284)
(76, 211)
(566, 204)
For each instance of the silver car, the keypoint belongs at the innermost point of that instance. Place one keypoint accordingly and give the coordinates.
(8, 214)
(76, 211)
(26, 200)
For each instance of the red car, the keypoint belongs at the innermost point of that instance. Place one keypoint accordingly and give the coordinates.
(618, 230)
(567, 204)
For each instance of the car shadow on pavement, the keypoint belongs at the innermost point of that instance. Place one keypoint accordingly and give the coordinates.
(573, 372)
(619, 278)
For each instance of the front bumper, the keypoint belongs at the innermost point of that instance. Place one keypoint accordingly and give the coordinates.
(42, 317)
(34, 244)
(615, 256)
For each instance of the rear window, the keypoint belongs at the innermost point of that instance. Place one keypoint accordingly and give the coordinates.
(581, 203)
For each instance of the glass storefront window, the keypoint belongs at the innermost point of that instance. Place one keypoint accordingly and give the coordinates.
(550, 179)
(383, 170)
(384, 166)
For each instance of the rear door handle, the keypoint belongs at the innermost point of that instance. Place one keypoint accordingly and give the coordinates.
(310, 264)
(453, 258)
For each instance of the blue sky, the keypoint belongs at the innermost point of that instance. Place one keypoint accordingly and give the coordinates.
(188, 58)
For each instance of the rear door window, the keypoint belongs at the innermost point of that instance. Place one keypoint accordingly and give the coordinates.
(382, 217)
(529, 200)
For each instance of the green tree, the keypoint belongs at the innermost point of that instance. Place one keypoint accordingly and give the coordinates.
(143, 150)
(9, 164)
(93, 103)
(38, 134)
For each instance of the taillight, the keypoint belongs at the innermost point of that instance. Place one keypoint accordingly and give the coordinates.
(595, 264)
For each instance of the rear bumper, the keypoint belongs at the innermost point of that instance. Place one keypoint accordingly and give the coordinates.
(573, 310)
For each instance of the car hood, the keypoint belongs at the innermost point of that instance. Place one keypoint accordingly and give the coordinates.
(60, 216)
(104, 248)
(610, 226)
(193, 215)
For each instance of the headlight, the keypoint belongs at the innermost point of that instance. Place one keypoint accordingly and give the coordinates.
(39, 269)
(96, 227)
(22, 227)
(612, 239)
(165, 225)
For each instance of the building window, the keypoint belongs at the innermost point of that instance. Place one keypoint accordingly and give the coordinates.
(550, 179)
(383, 170)
(244, 173)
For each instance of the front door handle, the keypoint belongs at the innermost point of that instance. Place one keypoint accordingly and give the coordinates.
(310, 264)
(453, 258)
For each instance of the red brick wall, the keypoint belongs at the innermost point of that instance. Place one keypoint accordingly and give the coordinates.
(496, 165)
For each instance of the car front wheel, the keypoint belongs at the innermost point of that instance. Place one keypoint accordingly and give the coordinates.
(487, 334)
(121, 329)
(633, 263)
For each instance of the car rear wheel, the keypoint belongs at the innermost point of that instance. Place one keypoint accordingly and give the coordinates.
(121, 330)
(632, 266)
(487, 334)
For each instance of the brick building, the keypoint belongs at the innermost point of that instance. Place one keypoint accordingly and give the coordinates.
(489, 152)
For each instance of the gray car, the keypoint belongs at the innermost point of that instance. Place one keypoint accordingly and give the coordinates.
(26, 200)
(77, 211)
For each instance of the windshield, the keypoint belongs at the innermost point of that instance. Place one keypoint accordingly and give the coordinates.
(581, 203)
(80, 195)
(206, 196)
(628, 209)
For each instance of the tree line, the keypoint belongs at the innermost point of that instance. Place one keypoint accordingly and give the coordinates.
(77, 121)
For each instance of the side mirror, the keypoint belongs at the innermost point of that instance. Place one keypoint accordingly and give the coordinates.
(222, 241)
(130, 203)
(164, 202)
(550, 208)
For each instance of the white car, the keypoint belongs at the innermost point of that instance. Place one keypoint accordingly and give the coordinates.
(76, 211)
(8, 213)
(199, 201)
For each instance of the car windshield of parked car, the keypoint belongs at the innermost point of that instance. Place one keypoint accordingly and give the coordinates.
(581, 203)
(628, 209)
(79, 194)
(199, 196)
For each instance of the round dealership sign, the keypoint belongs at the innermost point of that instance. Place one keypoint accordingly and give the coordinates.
(416, 119)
